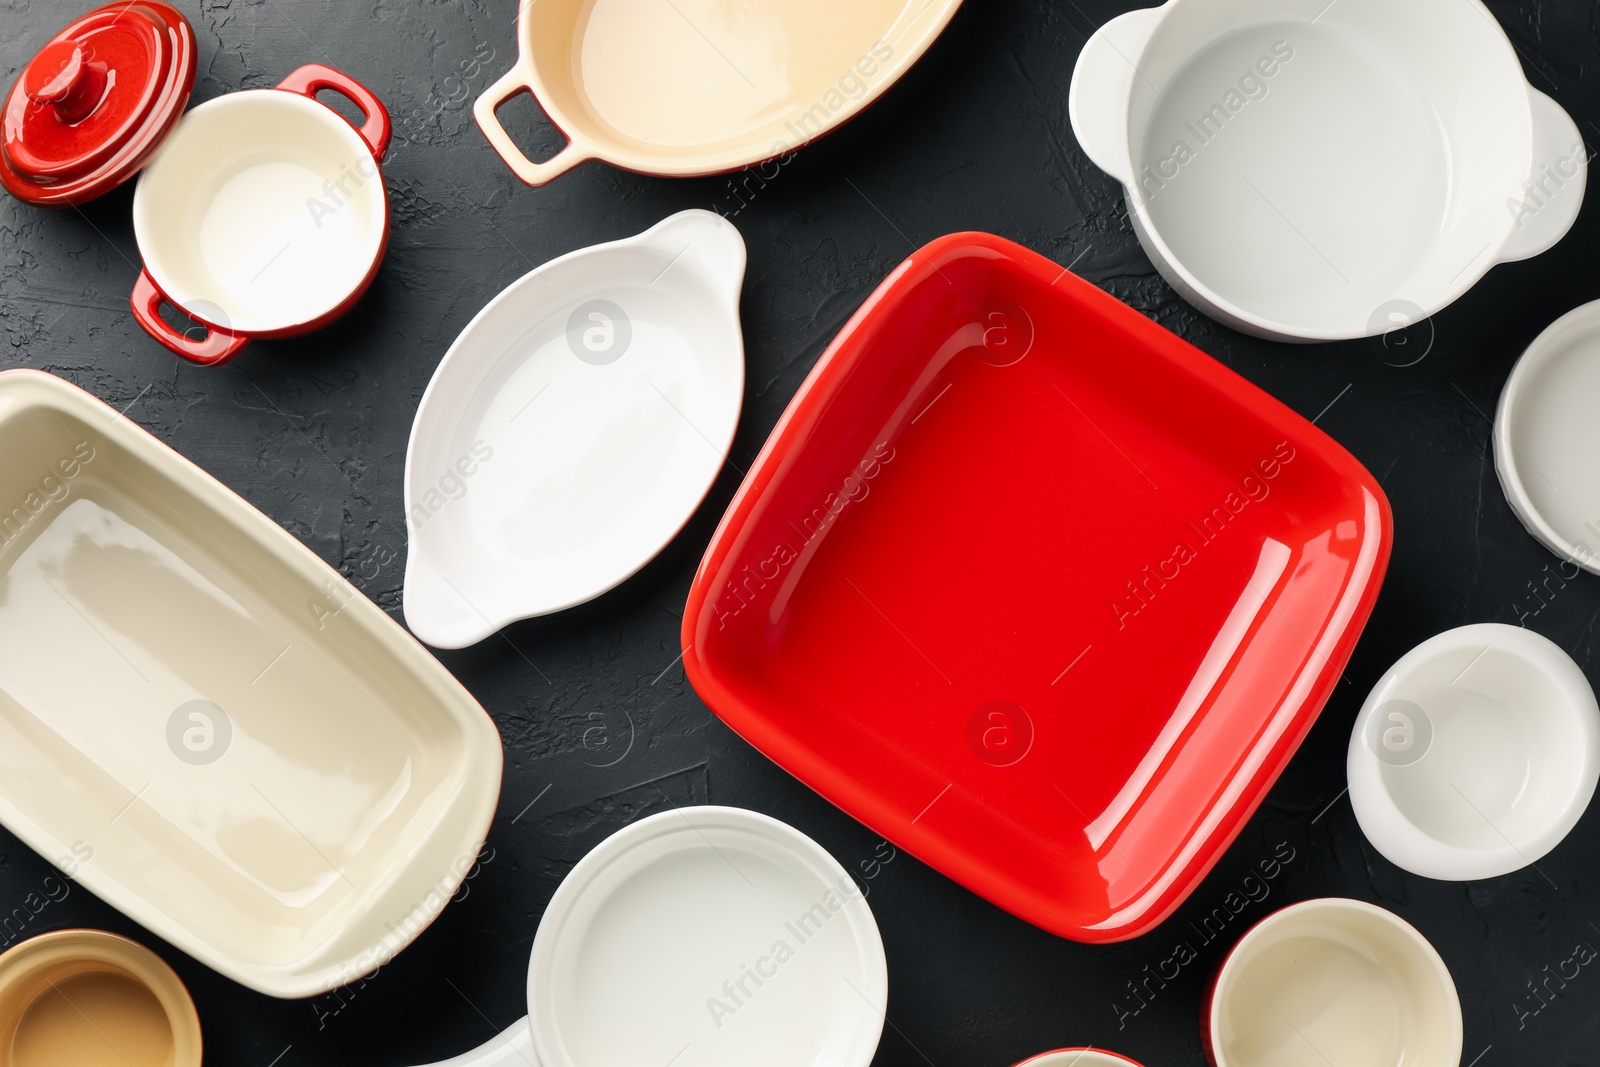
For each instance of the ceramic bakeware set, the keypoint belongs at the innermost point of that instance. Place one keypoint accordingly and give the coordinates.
(953, 645)
(259, 214)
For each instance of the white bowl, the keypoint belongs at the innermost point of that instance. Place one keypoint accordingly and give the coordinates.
(663, 945)
(1078, 1057)
(1334, 981)
(718, 930)
(1546, 437)
(1475, 754)
(1311, 171)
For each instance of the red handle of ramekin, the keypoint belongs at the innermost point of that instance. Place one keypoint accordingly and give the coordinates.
(312, 78)
(215, 348)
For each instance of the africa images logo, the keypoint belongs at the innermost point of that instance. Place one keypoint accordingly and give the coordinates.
(599, 332)
(743, 588)
(737, 992)
(1254, 487)
(199, 732)
(52, 487)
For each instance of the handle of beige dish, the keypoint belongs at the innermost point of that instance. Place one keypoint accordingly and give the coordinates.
(1551, 200)
(216, 347)
(519, 80)
(1102, 85)
(313, 78)
(513, 1048)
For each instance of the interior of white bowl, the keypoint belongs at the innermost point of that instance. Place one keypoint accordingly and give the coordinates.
(1547, 437)
(263, 211)
(1307, 165)
(1504, 730)
(1339, 982)
(720, 930)
(543, 472)
(1078, 1057)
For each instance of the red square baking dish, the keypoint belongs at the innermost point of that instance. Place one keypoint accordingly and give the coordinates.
(1035, 589)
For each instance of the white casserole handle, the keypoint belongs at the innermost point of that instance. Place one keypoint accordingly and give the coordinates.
(1102, 84)
(1560, 173)
(513, 1048)
(708, 237)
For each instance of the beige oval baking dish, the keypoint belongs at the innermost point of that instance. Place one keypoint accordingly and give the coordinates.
(206, 725)
(694, 87)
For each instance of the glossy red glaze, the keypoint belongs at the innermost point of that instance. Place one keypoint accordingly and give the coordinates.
(313, 78)
(1035, 589)
(96, 102)
(62, 74)
(221, 344)
(215, 345)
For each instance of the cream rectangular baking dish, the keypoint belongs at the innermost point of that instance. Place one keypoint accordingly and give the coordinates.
(236, 748)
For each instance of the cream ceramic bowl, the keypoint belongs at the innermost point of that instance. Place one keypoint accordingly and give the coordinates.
(1334, 981)
(1475, 754)
(263, 215)
(76, 998)
(1309, 171)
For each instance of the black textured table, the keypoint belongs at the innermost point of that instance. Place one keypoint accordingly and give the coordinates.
(313, 432)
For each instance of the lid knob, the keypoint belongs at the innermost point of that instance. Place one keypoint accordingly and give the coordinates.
(86, 113)
(62, 74)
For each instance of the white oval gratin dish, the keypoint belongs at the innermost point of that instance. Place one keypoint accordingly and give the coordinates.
(573, 428)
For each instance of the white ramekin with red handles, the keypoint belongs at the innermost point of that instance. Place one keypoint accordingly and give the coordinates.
(263, 215)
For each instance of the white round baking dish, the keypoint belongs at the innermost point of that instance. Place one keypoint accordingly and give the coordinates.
(1313, 171)
(1545, 438)
(1475, 754)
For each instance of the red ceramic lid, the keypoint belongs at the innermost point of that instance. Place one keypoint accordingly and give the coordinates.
(96, 102)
